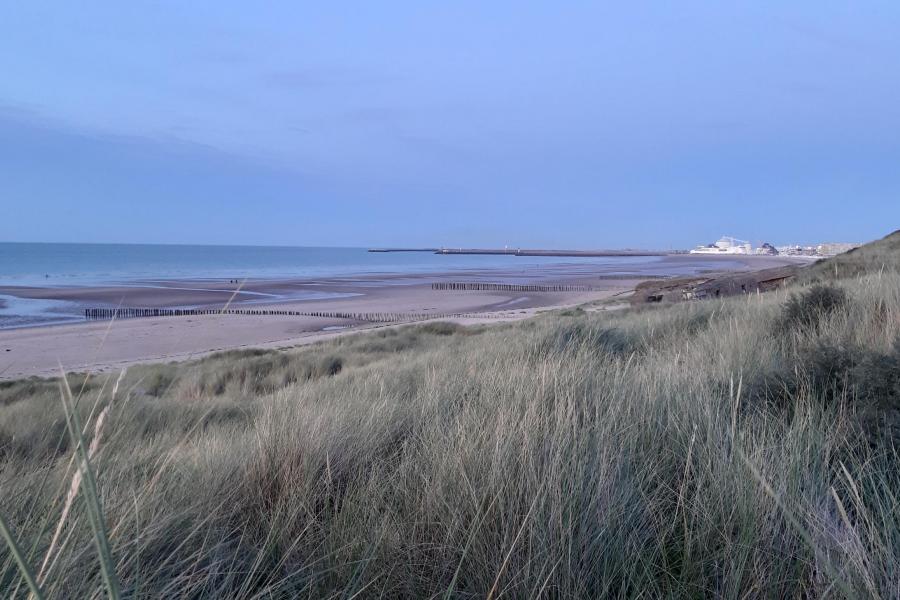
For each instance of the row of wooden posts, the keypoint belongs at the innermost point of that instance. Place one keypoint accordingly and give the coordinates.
(99, 314)
(96, 314)
(507, 287)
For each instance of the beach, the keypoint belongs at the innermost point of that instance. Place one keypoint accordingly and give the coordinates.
(109, 345)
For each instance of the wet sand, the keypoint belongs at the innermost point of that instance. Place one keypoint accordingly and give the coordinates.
(106, 345)
(215, 293)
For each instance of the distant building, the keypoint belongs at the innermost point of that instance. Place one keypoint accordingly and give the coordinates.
(725, 245)
(827, 249)
(798, 250)
(767, 249)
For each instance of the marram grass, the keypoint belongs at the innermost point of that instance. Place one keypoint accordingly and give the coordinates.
(727, 449)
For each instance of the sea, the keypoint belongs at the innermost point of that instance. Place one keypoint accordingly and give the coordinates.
(65, 265)
(30, 264)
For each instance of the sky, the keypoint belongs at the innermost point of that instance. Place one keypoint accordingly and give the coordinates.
(466, 123)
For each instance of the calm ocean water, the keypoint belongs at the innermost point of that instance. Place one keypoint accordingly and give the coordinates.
(91, 264)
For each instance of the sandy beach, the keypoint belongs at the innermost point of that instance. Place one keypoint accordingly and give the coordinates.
(107, 345)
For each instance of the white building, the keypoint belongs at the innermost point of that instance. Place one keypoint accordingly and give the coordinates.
(725, 245)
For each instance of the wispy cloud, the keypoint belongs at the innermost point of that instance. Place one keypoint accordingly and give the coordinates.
(839, 41)
(324, 77)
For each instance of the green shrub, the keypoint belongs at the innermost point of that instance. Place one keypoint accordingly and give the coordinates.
(441, 328)
(806, 309)
(866, 381)
(157, 382)
(586, 336)
(878, 377)
(329, 366)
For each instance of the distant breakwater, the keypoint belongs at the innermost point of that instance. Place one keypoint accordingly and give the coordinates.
(528, 252)
(108, 314)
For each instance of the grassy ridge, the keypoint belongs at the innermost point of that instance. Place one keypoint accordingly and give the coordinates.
(745, 447)
(881, 255)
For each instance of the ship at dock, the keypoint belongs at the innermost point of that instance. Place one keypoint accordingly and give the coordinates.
(725, 245)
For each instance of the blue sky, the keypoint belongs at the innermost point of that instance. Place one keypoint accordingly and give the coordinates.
(576, 124)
